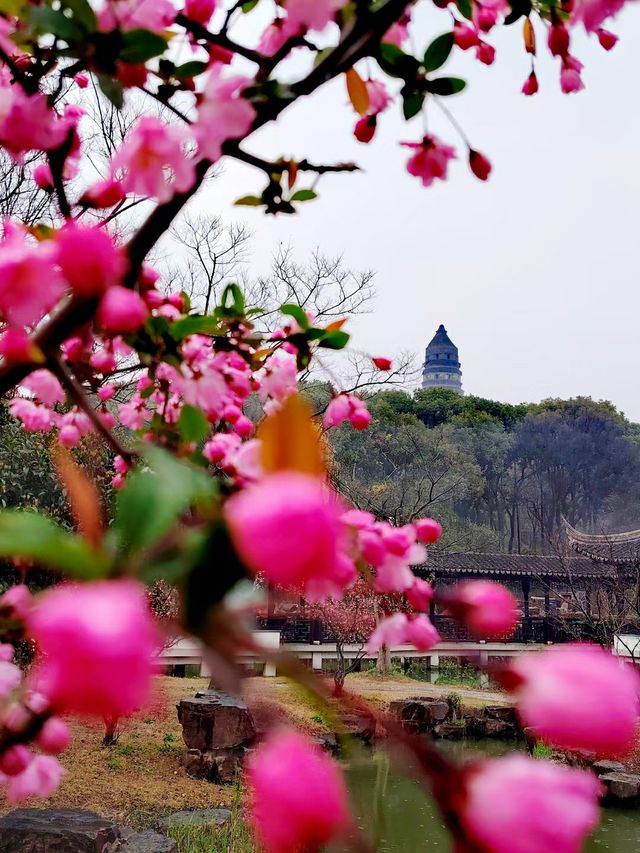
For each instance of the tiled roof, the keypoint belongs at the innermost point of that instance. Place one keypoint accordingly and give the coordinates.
(620, 549)
(522, 565)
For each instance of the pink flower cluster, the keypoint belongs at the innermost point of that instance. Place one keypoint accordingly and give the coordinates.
(347, 407)
(288, 816)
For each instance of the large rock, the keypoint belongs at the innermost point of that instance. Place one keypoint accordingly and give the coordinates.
(486, 727)
(199, 817)
(362, 726)
(418, 715)
(215, 765)
(145, 842)
(215, 720)
(56, 831)
(452, 731)
(605, 765)
(506, 713)
(621, 789)
(74, 831)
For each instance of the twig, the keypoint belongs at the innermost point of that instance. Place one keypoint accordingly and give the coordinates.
(219, 39)
(76, 392)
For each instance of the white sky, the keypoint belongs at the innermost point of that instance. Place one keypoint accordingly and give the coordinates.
(534, 274)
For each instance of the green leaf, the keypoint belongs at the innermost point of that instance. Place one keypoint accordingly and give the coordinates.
(445, 85)
(44, 19)
(200, 324)
(192, 424)
(438, 52)
(335, 339)
(189, 69)
(248, 5)
(153, 500)
(397, 63)
(412, 104)
(298, 314)
(303, 195)
(464, 7)
(83, 14)
(232, 299)
(249, 201)
(35, 537)
(140, 45)
(111, 89)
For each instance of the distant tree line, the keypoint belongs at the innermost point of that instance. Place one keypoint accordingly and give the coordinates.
(500, 477)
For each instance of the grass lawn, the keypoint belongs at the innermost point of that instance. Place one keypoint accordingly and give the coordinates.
(139, 779)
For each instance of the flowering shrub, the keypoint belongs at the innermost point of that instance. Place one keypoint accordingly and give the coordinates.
(208, 500)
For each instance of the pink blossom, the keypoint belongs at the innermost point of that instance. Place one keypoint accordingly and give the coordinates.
(200, 10)
(382, 363)
(607, 40)
(217, 448)
(430, 159)
(15, 760)
(485, 53)
(44, 385)
(125, 15)
(121, 310)
(105, 193)
(593, 13)
(398, 33)
(10, 677)
(312, 14)
(54, 736)
(427, 530)
(29, 283)
(577, 696)
(69, 435)
(97, 643)
(530, 85)
(421, 633)
(558, 39)
(365, 128)
(153, 161)
(465, 36)
(287, 815)
(89, 260)
(399, 629)
(40, 779)
(347, 407)
(420, 594)
(486, 608)
(243, 426)
(34, 418)
(287, 527)
(28, 123)
(275, 35)
(278, 379)
(485, 14)
(133, 414)
(223, 113)
(42, 176)
(523, 805)
(81, 81)
(17, 600)
(16, 347)
(570, 79)
(379, 97)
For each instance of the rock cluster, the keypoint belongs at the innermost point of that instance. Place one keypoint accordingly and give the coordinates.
(74, 831)
(417, 715)
(218, 729)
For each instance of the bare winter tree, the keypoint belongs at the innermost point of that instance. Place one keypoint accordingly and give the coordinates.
(324, 286)
(210, 254)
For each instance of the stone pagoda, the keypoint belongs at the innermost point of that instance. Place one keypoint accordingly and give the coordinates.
(441, 364)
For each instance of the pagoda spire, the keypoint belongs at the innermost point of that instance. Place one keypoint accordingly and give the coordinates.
(441, 363)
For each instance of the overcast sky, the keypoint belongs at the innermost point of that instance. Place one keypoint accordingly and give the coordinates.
(534, 274)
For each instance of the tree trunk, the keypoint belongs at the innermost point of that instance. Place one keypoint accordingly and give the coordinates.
(383, 664)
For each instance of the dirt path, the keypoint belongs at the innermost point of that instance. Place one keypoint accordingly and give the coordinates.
(397, 687)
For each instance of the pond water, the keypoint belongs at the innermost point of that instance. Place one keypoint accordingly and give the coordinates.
(410, 822)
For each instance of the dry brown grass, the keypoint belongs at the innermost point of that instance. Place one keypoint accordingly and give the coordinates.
(140, 777)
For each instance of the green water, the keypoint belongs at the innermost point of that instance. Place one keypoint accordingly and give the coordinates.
(410, 822)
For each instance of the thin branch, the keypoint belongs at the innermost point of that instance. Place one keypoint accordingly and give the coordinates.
(77, 394)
